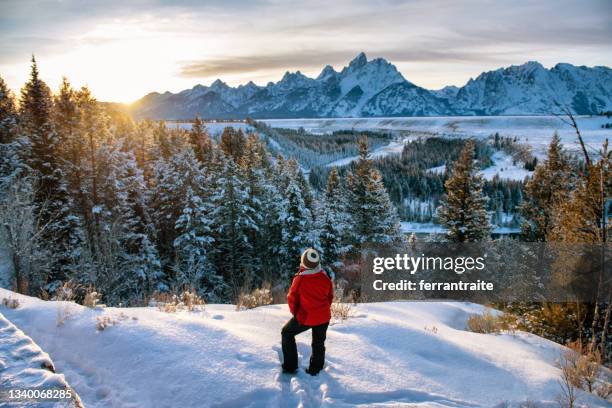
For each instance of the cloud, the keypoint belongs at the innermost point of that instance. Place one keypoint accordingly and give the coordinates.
(299, 59)
(249, 39)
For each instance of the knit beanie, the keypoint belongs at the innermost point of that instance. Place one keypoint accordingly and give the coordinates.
(310, 258)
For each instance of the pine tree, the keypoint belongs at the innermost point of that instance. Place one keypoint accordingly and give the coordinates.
(233, 223)
(374, 219)
(200, 141)
(163, 144)
(194, 232)
(333, 219)
(578, 217)
(253, 165)
(124, 263)
(8, 114)
(57, 225)
(91, 135)
(463, 210)
(550, 184)
(232, 143)
(11, 163)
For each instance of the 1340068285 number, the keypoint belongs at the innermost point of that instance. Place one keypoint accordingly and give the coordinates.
(35, 394)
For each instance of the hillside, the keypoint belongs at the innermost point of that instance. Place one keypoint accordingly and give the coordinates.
(375, 88)
(387, 354)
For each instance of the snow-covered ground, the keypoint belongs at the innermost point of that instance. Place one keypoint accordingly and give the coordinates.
(415, 354)
(421, 228)
(504, 167)
(24, 365)
(534, 130)
(214, 128)
(394, 147)
(408, 227)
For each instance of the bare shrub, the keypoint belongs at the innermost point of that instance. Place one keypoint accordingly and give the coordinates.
(342, 306)
(192, 301)
(92, 299)
(484, 323)
(11, 303)
(432, 329)
(586, 366)
(169, 302)
(64, 296)
(570, 380)
(604, 390)
(258, 297)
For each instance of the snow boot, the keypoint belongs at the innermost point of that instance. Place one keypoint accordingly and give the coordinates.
(312, 371)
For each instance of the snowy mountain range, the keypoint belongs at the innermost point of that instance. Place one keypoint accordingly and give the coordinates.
(376, 88)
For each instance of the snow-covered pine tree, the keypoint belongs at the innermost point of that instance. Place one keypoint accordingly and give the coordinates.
(161, 136)
(373, 218)
(232, 143)
(550, 185)
(333, 220)
(57, 226)
(11, 165)
(171, 179)
(299, 230)
(200, 141)
(194, 240)
(463, 210)
(92, 133)
(272, 255)
(253, 165)
(126, 263)
(8, 114)
(233, 224)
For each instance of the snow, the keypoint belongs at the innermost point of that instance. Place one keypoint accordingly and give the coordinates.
(394, 147)
(430, 228)
(24, 365)
(388, 354)
(421, 228)
(536, 131)
(214, 128)
(438, 169)
(504, 167)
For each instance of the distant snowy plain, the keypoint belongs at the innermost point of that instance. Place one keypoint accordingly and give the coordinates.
(534, 130)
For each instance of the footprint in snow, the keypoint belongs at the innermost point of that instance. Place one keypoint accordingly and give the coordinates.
(244, 357)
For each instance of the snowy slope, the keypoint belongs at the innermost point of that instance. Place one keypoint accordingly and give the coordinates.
(504, 168)
(530, 88)
(388, 354)
(24, 365)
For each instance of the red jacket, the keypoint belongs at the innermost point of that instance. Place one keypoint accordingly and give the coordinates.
(310, 297)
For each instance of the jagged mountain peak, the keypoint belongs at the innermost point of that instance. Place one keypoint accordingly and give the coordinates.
(327, 72)
(359, 61)
(377, 88)
(219, 84)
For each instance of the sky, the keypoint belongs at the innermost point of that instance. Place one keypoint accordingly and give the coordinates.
(124, 49)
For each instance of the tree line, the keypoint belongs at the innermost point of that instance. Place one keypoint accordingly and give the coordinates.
(130, 209)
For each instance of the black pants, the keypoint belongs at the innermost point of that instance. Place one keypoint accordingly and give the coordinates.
(290, 357)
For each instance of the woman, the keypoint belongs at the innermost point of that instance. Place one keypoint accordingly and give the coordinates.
(310, 299)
